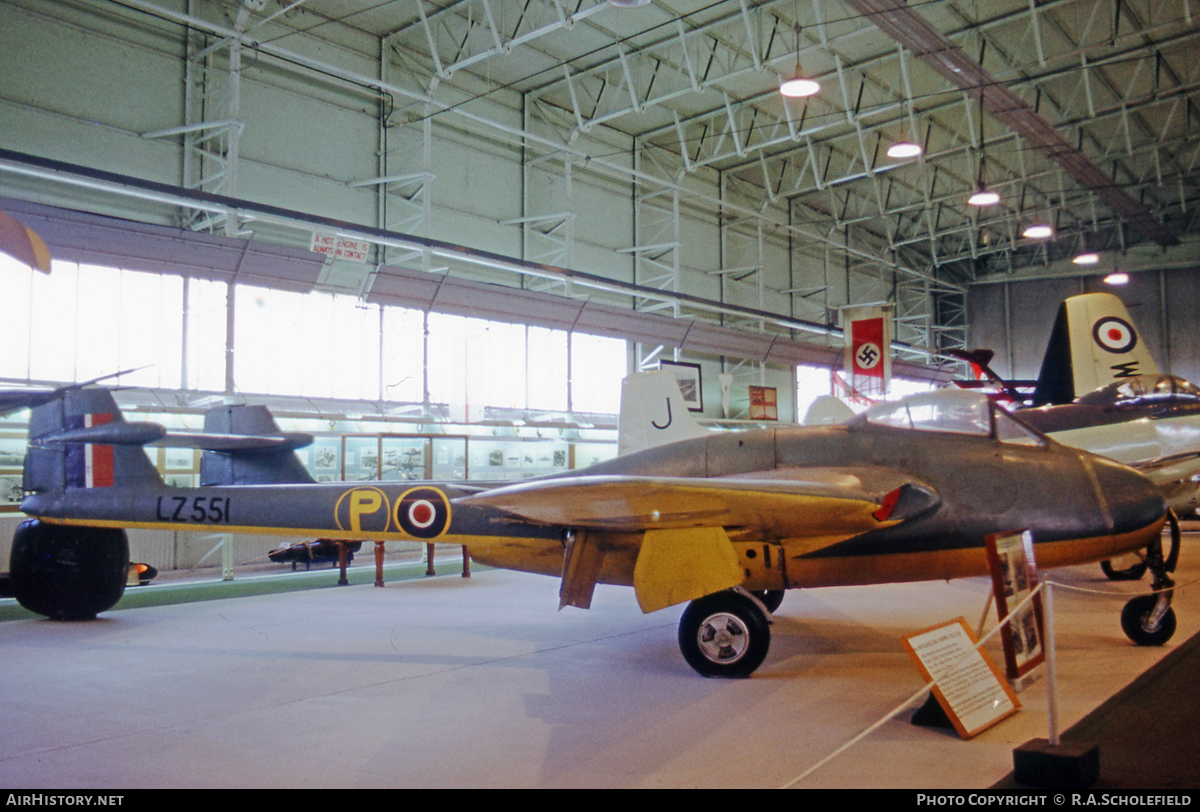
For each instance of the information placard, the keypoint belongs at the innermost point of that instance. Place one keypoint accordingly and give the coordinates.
(968, 685)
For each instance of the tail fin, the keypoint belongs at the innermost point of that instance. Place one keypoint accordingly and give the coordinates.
(81, 440)
(242, 464)
(825, 410)
(653, 413)
(1093, 343)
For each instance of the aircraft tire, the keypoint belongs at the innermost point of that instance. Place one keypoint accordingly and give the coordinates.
(1134, 619)
(724, 635)
(68, 573)
(771, 598)
(1132, 573)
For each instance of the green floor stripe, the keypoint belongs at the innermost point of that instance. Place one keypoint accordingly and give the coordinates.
(170, 592)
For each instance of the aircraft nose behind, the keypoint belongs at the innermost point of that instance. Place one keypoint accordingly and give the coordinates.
(1134, 502)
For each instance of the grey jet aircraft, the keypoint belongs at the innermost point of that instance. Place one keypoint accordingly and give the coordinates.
(726, 521)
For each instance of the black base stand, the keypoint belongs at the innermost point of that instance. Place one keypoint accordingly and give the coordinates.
(1069, 765)
(932, 714)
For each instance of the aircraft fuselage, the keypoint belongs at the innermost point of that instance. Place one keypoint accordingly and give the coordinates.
(981, 488)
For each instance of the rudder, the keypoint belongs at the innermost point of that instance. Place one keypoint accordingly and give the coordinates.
(653, 413)
(68, 448)
(1094, 342)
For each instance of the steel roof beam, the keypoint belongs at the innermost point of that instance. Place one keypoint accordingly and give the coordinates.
(907, 27)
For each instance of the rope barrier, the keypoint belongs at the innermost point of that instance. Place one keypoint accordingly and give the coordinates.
(924, 689)
(929, 686)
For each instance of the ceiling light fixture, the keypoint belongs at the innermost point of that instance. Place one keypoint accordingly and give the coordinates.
(798, 86)
(904, 149)
(984, 197)
(1087, 258)
(1118, 278)
(1038, 231)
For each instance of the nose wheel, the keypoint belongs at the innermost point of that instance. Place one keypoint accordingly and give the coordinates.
(1146, 622)
(1149, 620)
(725, 634)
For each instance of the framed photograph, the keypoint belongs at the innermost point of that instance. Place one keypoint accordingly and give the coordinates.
(688, 376)
(11, 493)
(179, 459)
(325, 456)
(1014, 577)
(764, 403)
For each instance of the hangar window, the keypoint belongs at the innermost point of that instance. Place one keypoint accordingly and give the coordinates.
(547, 365)
(84, 321)
(314, 344)
(598, 365)
(483, 363)
(403, 353)
(476, 362)
(81, 322)
(811, 383)
(206, 315)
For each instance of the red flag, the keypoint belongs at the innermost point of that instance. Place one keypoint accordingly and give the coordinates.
(868, 344)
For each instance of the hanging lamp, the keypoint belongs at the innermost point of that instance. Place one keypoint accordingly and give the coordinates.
(982, 196)
(904, 149)
(798, 85)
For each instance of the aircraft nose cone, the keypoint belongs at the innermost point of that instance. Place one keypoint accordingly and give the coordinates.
(1133, 500)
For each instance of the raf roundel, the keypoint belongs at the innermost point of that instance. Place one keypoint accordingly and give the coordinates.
(423, 513)
(1114, 334)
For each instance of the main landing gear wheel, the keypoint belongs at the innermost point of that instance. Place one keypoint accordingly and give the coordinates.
(68, 573)
(1139, 625)
(724, 635)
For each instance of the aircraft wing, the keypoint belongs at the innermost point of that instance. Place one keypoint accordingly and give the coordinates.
(803, 503)
(683, 527)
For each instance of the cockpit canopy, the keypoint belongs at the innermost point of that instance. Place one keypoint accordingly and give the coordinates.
(1142, 389)
(954, 411)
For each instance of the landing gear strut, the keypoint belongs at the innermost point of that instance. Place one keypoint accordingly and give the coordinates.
(1116, 572)
(1149, 620)
(1133, 566)
(771, 598)
(726, 634)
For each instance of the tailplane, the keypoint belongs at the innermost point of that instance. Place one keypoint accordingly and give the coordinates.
(1093, 343)
(78, 438)
(653, 413)
(244, 463)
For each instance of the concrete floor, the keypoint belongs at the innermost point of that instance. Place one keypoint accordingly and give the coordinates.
(446, 682)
